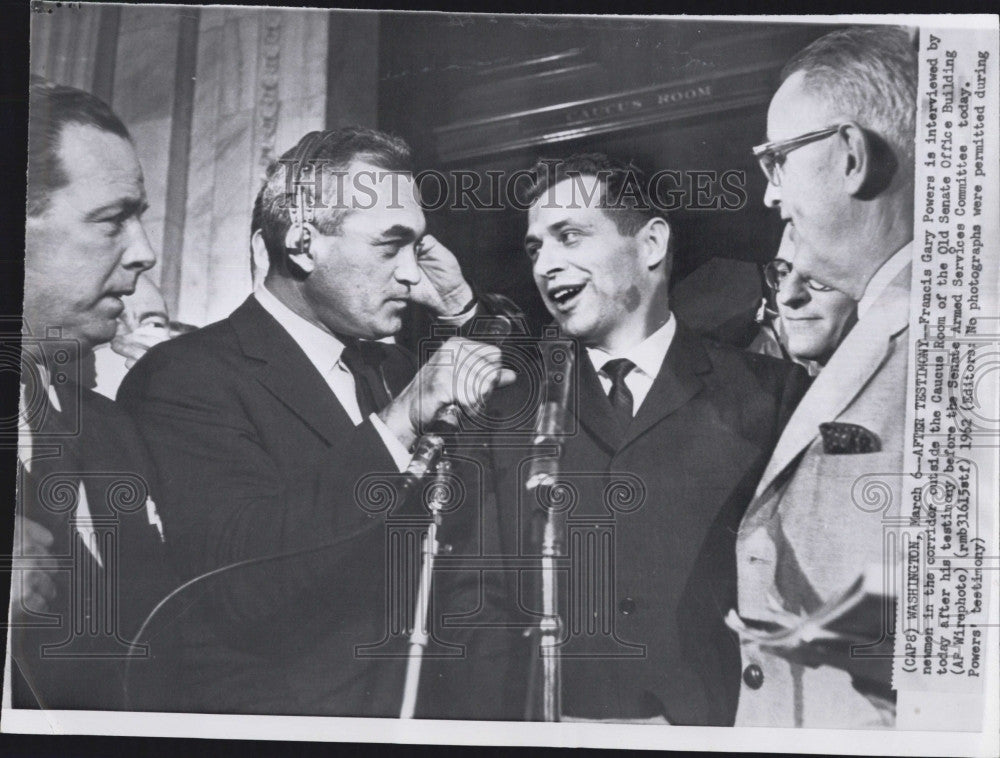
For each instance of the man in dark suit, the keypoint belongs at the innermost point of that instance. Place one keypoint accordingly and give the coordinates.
(264, 426)
(87, 563)
(666, 437)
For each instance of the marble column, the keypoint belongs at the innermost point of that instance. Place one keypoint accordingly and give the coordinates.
(261, 84)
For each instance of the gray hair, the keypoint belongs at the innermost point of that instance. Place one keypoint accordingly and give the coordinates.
(334, 150)
(869, 73)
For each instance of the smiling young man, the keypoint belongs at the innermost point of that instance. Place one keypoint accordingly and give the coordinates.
(684, 424)
(264, 424)
(83, 504)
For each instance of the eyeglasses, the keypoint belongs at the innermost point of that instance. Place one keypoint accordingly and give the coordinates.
(778, 270)
(771, 155)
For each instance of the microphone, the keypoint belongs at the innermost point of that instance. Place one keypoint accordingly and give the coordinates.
(494, 327)
(550, 424)
(429, 447)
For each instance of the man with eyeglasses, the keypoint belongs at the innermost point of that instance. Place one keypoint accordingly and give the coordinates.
(811, 318)
(840, 171)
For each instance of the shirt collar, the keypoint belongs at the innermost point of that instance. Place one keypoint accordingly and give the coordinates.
(884, 276)
(647, 355)
(320, 346)
(44, 384)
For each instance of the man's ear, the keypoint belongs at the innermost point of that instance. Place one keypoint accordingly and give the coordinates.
(260, 259)
(298, 242)
(859, 165)
(654, 241)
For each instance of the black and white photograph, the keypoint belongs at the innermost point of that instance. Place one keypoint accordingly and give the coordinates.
(502, 379)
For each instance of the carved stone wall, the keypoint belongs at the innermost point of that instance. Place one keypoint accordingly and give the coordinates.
(260, 85)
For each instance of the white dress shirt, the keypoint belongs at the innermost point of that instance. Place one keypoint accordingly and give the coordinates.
(647, 356)
(324, 351)
(883, 277)
(82, 519)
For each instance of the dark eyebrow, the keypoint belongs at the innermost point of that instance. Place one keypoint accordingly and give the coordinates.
(398, 232)
(560, 225)
(530, 239)
(125, 208)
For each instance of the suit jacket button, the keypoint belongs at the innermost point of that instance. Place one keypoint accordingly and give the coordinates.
(627, 606)
(753, 676)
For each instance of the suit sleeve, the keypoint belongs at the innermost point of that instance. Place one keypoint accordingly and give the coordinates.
(274, 545)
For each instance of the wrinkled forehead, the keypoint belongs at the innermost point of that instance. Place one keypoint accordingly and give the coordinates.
(372, 192)
(576, 197)
(796, 109)
(364, 186)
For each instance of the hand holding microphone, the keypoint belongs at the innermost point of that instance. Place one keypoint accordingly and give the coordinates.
(461, 372)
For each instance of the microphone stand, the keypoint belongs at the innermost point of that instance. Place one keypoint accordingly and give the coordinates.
(543, 483)
(550, 626)
(428, 457)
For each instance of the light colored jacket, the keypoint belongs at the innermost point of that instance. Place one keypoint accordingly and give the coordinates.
(817, 520)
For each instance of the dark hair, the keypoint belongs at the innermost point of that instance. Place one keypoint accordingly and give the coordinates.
(869, 73)
(333, 151)
(623, 187)
(51, 108)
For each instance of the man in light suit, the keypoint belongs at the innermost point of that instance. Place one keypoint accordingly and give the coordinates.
(264, 424)
(668, 435)
(840, 169)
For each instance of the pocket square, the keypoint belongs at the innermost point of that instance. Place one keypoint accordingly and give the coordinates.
(847, 439)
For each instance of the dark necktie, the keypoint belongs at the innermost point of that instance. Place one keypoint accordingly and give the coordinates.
(620, 395)
(364, 360)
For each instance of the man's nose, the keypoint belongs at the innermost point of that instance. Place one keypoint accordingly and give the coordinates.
(407, 269)
(548, 261)
(772, 195)
(139, 255)
(793, 292)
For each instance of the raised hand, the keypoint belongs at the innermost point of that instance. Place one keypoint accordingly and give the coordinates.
(461, 371)
(442, 288)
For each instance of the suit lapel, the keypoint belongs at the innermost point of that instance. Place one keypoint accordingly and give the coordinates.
(676, 383)
(862, 353)
(280, 365)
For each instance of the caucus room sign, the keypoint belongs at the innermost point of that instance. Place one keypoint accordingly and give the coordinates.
(662, 103)
(625, 106)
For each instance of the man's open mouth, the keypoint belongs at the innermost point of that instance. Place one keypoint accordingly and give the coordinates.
(564, 294)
